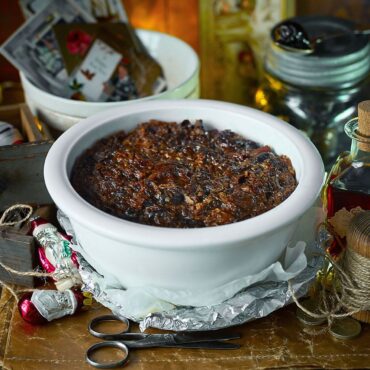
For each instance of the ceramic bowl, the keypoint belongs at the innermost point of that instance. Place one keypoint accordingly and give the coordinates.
(139, 255)
(180, 65)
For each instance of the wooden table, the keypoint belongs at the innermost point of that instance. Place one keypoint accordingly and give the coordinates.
(277, 341)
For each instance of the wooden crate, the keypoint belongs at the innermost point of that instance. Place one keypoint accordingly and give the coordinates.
(21, 117)
(21, 166)
(18, 249)
(21, 181)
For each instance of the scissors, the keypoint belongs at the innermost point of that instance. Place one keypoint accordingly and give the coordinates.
(125, 341)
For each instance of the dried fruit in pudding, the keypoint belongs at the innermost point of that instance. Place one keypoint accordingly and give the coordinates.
(182, 175)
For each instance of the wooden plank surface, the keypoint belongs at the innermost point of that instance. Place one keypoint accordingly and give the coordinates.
(18, 252)
(277, 341)
(21, 174)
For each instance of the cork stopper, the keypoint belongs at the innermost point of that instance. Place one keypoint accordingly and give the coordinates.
(358, 239)
(364, 125)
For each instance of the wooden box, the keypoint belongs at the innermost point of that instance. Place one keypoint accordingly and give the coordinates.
(18, 249)
(21, 181)
(21, 166)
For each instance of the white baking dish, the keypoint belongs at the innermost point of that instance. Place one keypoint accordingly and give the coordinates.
(200, 258)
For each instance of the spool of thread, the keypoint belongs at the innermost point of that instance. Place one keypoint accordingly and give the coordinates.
(357, 264)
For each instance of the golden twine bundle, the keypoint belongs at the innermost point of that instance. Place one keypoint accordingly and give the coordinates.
(345, 284)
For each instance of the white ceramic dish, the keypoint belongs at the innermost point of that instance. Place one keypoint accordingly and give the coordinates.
(200, 258)
(180, 65)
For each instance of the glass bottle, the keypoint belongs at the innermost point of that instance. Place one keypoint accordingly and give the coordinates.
(348, 183)
(318, 92)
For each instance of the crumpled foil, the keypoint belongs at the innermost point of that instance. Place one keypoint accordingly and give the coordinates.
(249, 304)
(53, 304)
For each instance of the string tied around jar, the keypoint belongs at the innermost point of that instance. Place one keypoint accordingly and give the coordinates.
(345, 283)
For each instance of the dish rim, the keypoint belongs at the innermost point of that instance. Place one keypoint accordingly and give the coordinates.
(83, 213)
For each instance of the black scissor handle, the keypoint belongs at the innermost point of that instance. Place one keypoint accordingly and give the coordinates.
(104, 318)
(108, 365)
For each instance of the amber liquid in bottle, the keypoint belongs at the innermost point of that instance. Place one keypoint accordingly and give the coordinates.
(350, 189)
(348, 186)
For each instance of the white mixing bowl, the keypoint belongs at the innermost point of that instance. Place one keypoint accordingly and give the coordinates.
(180, 66)
(199, 258)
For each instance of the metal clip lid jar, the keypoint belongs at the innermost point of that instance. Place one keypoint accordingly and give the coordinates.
(318, 92)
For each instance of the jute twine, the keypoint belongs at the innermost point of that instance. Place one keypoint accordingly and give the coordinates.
(16, 214)
(344, 287)
(12, 216)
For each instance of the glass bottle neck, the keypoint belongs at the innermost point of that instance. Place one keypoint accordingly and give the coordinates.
(360, 147)
(359, 155)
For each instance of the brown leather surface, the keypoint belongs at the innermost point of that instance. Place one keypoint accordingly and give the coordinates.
(278, 341)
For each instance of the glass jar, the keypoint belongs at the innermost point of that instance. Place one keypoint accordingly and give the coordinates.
(318, 92)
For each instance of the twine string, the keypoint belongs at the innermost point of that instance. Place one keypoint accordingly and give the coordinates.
(26, 273)
(15, 292)
(12, 216)
(358, 270)
(349, 289)
(16, 214)
(10, 290)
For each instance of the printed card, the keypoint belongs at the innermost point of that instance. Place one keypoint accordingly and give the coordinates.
(136, 75)
(33, 48)
(92, 76)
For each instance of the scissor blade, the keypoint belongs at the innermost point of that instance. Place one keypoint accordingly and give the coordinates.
(177, 338)
(208, 345)
(204, 337)
(156, 343)
(124, 336)
(174, 340)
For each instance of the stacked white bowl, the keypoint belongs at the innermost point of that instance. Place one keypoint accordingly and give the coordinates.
(180, 65)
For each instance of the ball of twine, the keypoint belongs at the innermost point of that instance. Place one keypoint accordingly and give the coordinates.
(345, 283)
